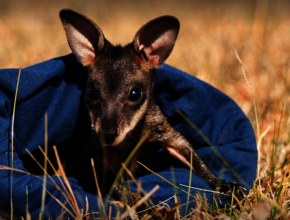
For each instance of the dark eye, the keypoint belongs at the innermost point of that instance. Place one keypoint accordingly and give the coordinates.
(135, 94)
(93, 94)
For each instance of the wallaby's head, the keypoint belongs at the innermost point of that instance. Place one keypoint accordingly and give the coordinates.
(120, 80)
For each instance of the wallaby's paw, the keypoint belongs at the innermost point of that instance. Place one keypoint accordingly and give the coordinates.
(228, 187)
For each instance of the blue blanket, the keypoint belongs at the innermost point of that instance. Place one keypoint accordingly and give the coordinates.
(55, 87)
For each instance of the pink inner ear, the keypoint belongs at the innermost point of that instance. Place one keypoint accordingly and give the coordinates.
(157, 51)
(151, 53)
(82, 48)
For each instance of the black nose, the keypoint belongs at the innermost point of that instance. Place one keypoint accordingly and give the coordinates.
(109, 136)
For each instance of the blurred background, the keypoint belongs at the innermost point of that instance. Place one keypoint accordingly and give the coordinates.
(240, 47)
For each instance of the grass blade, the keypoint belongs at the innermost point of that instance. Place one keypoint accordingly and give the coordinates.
(165, 179)
(12, 141)
(71, 194)
(100, 198)
(127, 161)
(65, 193)
(141, 201)
(45, 165)
(189, 183)
(139, 187)
(28, 217)
(62, 205)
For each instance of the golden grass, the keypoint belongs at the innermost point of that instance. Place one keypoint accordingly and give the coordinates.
(211, 32)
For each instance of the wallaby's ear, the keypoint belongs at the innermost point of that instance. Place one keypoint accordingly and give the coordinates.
(155, 40)
(84, 37)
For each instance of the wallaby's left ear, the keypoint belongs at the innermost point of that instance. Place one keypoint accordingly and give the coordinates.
(85, 38)
(155, 40)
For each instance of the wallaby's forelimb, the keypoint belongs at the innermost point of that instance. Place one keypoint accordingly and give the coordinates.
(180, 148)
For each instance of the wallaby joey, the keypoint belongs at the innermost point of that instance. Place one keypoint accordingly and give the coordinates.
(118, 97)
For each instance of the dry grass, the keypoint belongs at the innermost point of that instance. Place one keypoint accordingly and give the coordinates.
(210, 33)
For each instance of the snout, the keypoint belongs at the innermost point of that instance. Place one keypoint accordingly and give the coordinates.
(108, 136)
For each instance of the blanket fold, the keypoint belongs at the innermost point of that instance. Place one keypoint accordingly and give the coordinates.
(56, 86)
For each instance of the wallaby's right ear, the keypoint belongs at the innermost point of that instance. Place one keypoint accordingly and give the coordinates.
(155, 40)
(84, 37)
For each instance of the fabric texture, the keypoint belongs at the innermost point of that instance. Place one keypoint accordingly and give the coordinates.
(55, 86)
